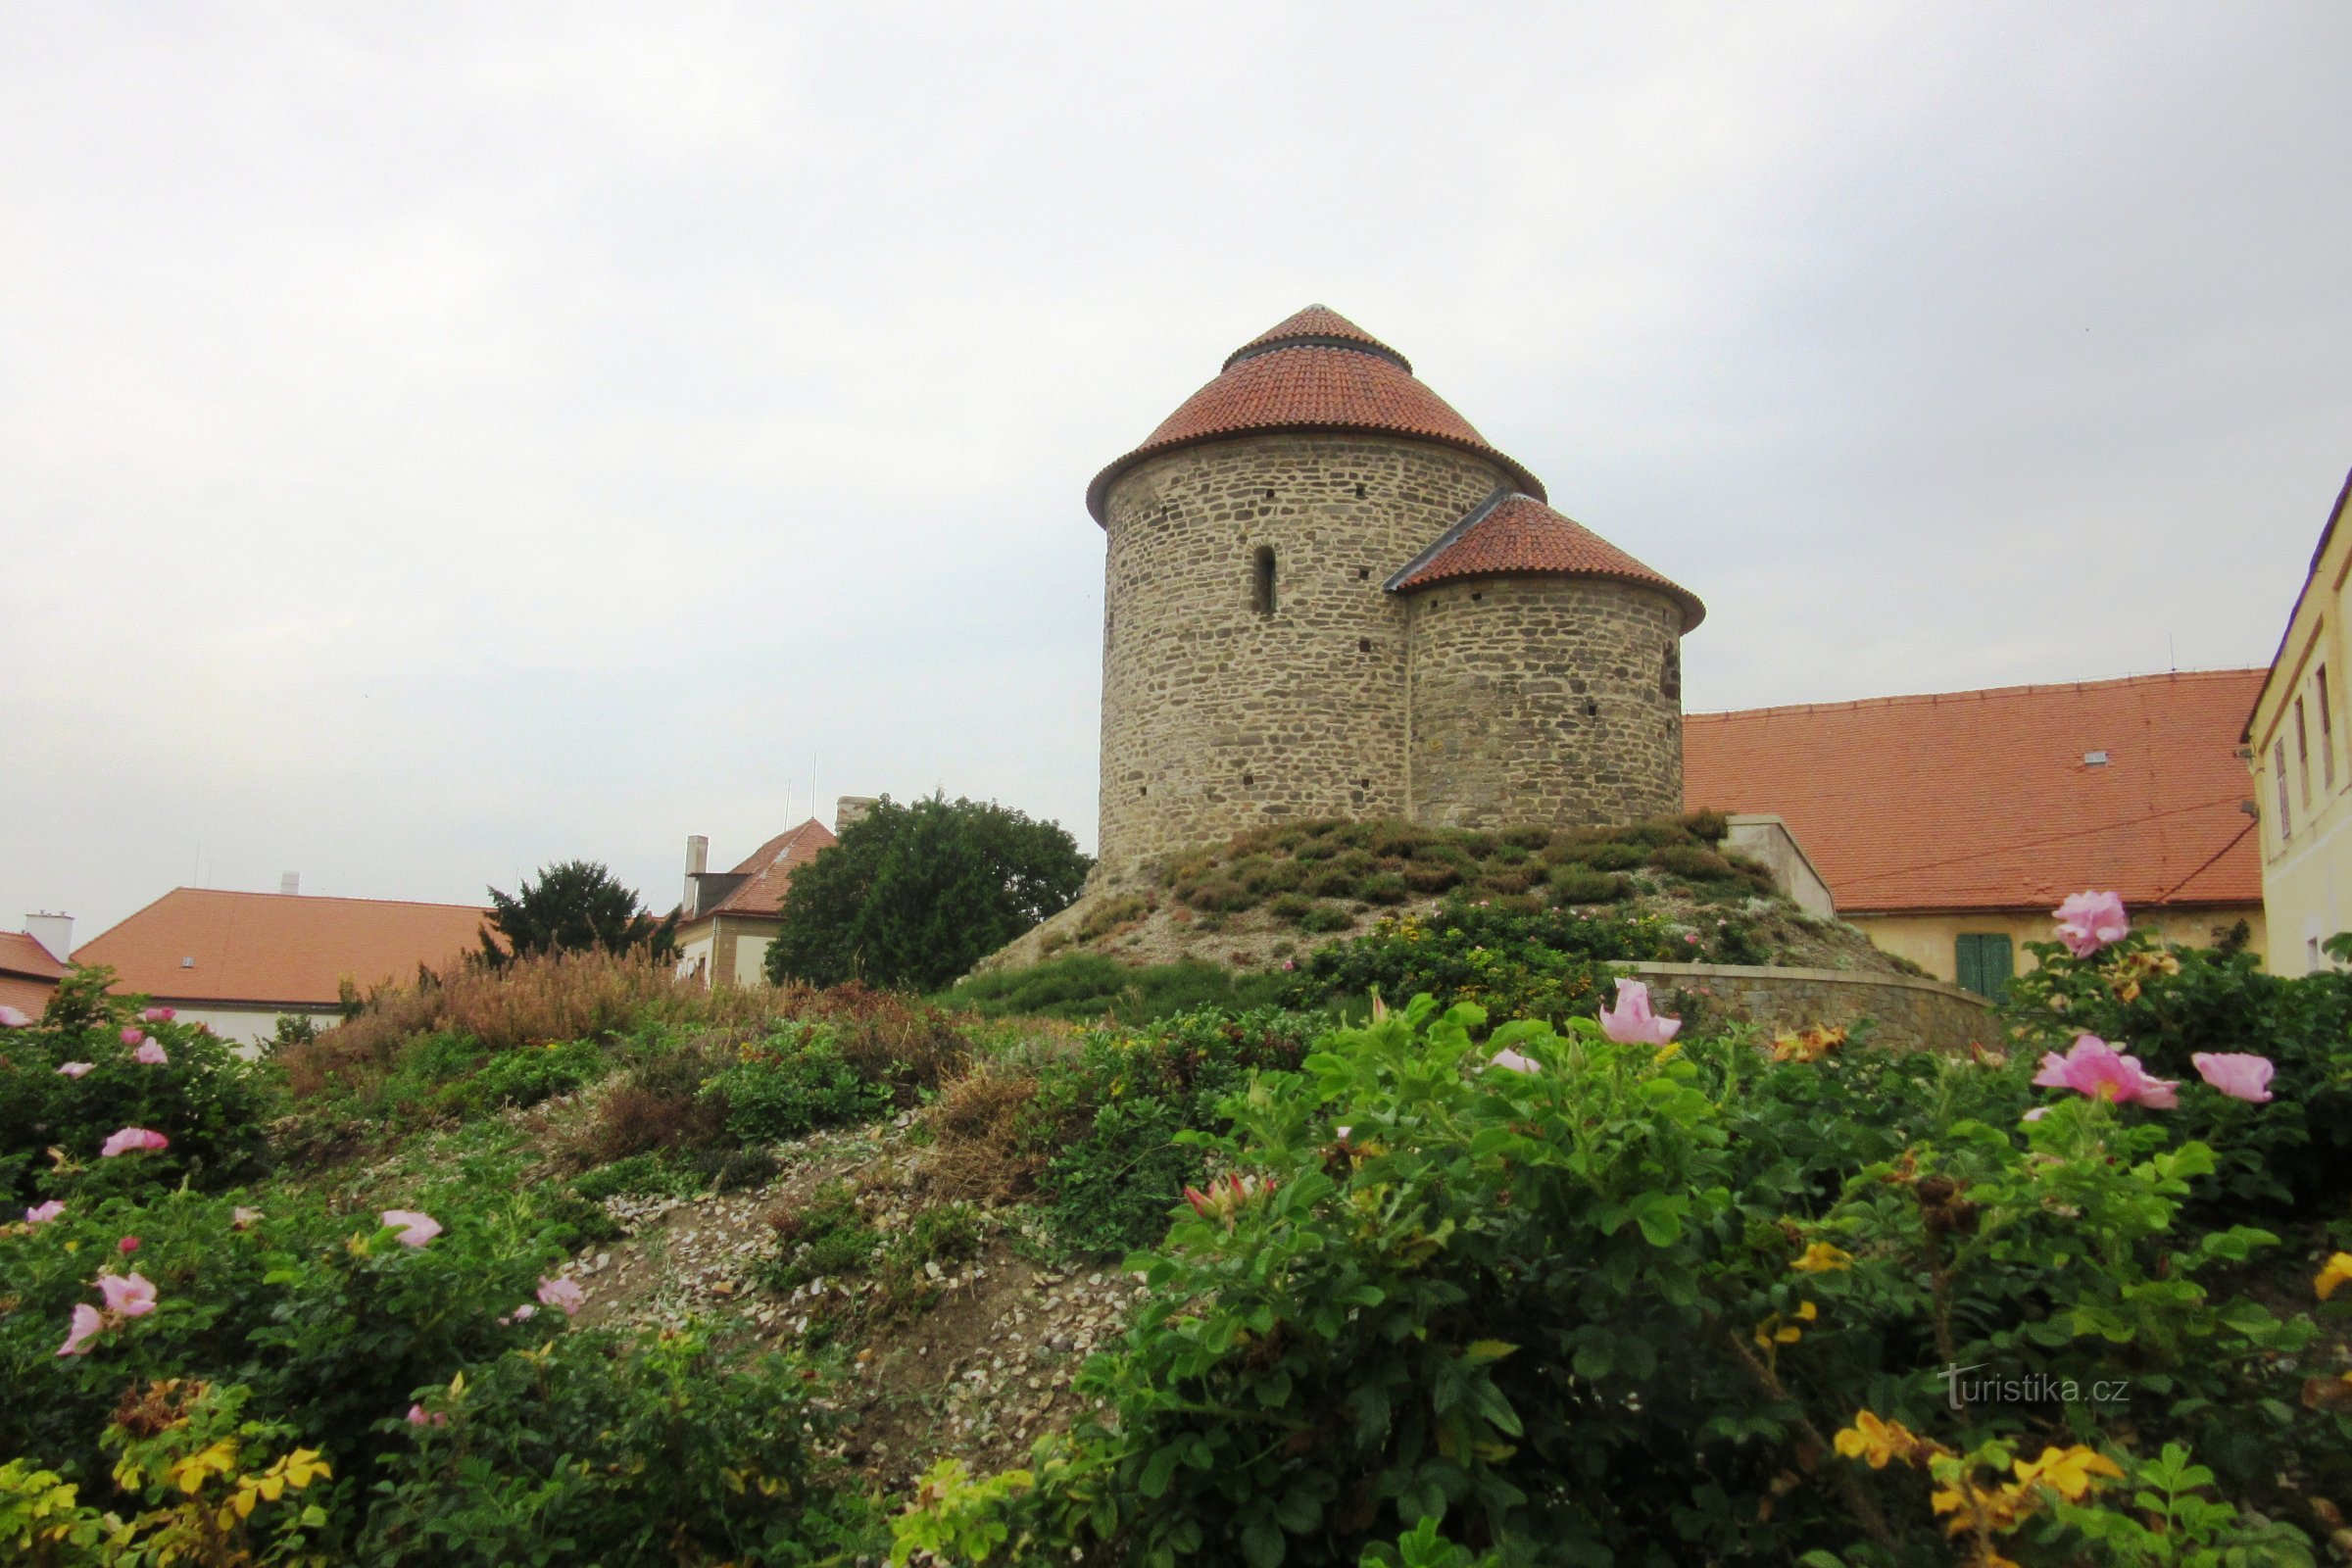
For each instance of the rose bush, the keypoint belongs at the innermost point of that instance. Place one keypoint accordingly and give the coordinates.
(1587, 1302)
(94, 1064)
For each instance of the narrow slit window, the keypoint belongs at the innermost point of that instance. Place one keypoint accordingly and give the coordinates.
(2303, 752)
(2327, 728)
(1262, 580)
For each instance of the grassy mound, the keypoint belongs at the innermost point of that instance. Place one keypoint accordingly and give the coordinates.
(1083, 987)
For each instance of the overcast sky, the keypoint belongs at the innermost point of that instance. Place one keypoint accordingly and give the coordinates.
(437, 440)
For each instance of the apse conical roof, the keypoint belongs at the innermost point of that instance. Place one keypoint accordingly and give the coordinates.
(1318, 370)
(1512, 535)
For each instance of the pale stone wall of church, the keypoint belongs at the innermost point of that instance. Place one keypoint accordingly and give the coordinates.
(1219, 716)
(1552, 700)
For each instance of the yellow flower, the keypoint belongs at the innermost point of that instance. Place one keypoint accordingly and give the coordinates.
(1823, 1258)
(1772, 1331)
(1810, 1046)
(1876, 1442)
(2338, 1271)
(2071, 1472)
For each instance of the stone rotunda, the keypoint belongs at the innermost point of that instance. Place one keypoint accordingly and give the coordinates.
(1327, 595)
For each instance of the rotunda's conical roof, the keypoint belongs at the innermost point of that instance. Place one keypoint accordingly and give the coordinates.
(1318, 370)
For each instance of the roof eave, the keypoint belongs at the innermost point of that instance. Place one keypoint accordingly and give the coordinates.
(1097, 492)
(1694, 611)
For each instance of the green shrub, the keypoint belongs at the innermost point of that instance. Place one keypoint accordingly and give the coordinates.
(530, 1074)
(792, 1083)
(207, 1101)
(1518, 962)
(1575, 884)
(1220, 895)
(2281, 1160)
(1695, 863)
(1432, 876)
(1611, 1308)
(1085, 988)
(658, 1454)
(1108, 1123)
(1384, 887)
(1290, 907)
(1326, 917)
(1612, 857)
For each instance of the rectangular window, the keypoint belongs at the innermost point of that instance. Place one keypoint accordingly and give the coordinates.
(2327, 728)
(2303, 752)
(2279, 768)
(1982, 961)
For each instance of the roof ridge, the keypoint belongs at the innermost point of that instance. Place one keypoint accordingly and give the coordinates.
(307, 897)
(1978, 693)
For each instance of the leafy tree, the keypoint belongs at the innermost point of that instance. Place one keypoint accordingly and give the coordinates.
(575, 906)
(914, 895)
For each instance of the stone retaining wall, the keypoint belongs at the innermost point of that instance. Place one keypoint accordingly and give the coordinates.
(1917, 1014)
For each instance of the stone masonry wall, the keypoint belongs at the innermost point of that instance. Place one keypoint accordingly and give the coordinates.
(1217, 717)
(1545, 700)
(1919, 1015)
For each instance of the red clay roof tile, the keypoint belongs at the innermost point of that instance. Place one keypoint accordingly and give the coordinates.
(1338, 377)
(769, 869)
(21, 953)
(1315, 324)
(1519, 536)
(283, 947)
(1982, 800)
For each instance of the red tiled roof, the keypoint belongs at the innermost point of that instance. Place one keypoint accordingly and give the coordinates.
(1335, 377)
(1316, 322)
(769, 869)
(1982, 800)
(281, 948)
(22, 955)
(27, 997)
(1519, 536)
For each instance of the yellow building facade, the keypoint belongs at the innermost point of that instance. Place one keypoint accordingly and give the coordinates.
(2296, 745)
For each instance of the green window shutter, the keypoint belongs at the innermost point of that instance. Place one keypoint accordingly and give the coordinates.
(1983, 964)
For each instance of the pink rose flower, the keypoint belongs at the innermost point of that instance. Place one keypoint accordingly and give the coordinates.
(415, 1229)
(131, 1035)
(419, 1417)
(241, 1218)
(43, 1214)
(566, 1294)
(2238, 1074)
(131, 1294)
(130, 1140)
(2096, 1069)
(86, 1327)
(2037, 1112)
(158, 1015)
(1633, 1023)
(2088, 921)
(74, 1069)
(11, 1018)
(1511, 1061)
(127, 1246)
(150, 1055)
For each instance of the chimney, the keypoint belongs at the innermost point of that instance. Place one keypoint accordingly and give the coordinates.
(289, 882)
(54, 932)
(850, 811)
(698, 859)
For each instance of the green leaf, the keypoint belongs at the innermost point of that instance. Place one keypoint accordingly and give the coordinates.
(1263, 1544)
(1299, 1511)
(1479, 1352)
(1161, 1470)
(1594, 1360)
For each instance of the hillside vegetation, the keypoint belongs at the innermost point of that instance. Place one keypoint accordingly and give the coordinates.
(1268, 896)
(575, 1263)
